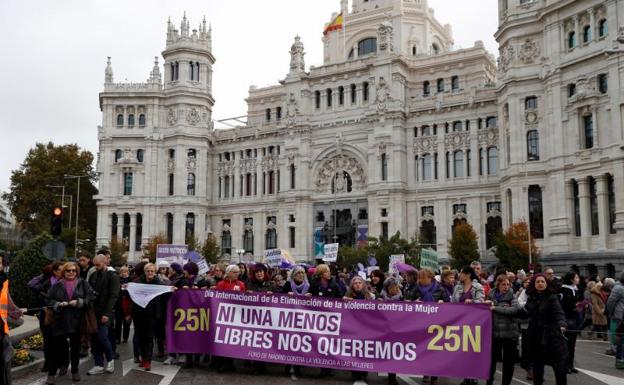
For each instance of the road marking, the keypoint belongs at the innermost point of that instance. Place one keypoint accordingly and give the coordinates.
(408, 380)
(594, 341)
(515, 379)
(607, 379)
(168, 372)
(602, 354)
(359, 382)
(39, 381)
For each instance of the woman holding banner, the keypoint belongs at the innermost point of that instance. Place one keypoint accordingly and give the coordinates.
(504, 327)
(358, 289)
(146, 319)
(298, 283)
(259, 280)
(468, 290)
(324, 285)
(547, 325)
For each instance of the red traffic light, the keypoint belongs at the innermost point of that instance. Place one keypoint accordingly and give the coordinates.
(57, 212)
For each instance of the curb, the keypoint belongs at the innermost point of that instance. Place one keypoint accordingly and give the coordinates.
(23, 369)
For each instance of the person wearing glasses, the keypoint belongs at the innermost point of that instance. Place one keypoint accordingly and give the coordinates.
(67, 298)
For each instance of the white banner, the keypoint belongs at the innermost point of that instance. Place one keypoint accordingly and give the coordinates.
(331, 252)
(142, 293)
(273, 257)
(393, 260)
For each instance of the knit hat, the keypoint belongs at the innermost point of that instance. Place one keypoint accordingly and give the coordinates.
(176, 267)
(162, 264)
(191, 268)
(260, 266)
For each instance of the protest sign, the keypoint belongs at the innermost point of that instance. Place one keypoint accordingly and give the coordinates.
(393, 260)
(171, 254)
(273, 257)
(429, 260)
(450, 340)
(331, 252)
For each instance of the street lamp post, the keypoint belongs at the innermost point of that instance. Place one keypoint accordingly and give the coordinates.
(240, 252)
(77, 209)
(71, 202)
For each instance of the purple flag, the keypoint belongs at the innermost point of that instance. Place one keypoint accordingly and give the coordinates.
(414, 338)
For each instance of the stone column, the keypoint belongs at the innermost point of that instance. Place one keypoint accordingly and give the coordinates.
(109, 235)
(576, 30)
(592, 23)
(618, 187)
(132, 240)
(569, 193)
(359, 100)
(120, 219)
(603, 210)
(583, 186)
(594, 112)
(474, 148)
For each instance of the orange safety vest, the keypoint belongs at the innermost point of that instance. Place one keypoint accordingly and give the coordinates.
(4, 305)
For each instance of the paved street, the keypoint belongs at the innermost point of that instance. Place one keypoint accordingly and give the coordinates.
(595, 367)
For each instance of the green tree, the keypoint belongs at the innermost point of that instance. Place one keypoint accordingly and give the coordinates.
(512, 247)
(210, 249)
(381, 249)
(463, 247)
(149, 249)
(31, 202)
(350, 256)
(119, 255)
(191, 243)
(28, 263)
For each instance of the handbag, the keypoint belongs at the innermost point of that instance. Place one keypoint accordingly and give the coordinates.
(48, 319)
(88, 321)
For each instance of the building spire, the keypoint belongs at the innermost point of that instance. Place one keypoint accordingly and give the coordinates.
(155, 75)
(184, 26)
(108, 72)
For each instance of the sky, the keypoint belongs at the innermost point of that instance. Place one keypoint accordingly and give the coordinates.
(53, 55)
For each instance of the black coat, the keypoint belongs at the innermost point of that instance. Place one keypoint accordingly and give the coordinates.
(262, 286)
(546, 318)
(332, 290)
(154, 309)
(569, 299)
(106, 286)
(67, 319)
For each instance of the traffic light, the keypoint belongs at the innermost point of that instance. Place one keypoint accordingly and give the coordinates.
(57, 221)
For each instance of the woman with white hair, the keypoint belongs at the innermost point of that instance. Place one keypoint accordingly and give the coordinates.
(231, 281)
(298, 283)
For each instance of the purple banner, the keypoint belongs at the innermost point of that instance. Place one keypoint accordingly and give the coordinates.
(415, 338)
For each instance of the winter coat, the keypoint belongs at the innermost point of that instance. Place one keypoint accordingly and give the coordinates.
(476, 290)
(439, 294)
(231, 285)
(261, 286)
(154, 308)
(569, 299)
(615, 303)
(598, 307)
(106, 286)
(504, 323)
(332, 289)
(67, 319)
(546, 318)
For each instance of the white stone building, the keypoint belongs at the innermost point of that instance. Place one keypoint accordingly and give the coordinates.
(396, 131)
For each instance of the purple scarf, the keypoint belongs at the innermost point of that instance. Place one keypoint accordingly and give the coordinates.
(427, 291)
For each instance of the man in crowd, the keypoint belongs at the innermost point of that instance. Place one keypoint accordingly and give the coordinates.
(84, 261)
(106, 285)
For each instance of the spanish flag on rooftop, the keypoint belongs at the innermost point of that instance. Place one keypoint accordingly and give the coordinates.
(334, 25)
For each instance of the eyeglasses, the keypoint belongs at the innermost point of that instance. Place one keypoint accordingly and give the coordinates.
(70, 270)
(150, 271)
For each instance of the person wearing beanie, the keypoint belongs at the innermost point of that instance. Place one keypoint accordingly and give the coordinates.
(615, 310)
(163, 272)
(190, 273)
(176, 273)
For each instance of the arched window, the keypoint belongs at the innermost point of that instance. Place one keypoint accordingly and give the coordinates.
(481, 161)
(571, 90)
(138, 232)
(611, 200)
(455, 83)
(171, 153)
(176, 71)
(367, 46)
(271, 239)
(458, 159)
(191, 71)
(588, 131)
(317, 99)
(120, 120)
(428, 234)
(493, 227)
(384, 167)
(267, 114)
(603, 85)
(171, 185)
(126, 232)
(577, 208)
(197, 71)
(118, 155)
(587, 34)
(190, 227)
(341, 95)
(114, 221)
(593, 206)
(426, 130)
(226, 186)
(190, 184)
(435, 49)
(426, 88)
(533, 145)
(365, 91)
(414, 50)
(248, 241)
(191, 153)
(353, 93)
(127, 183)
(173, 72)
(571, 40)
(169, 228)
(226, 242)
(536, 216)
(602, 28)
(426, 166)
(278, 113)
(492, 161)
(131, 120)
(292, 176)
(457, 126)
(140, 155)
(142, 120)
(440, 85)
(329, 94)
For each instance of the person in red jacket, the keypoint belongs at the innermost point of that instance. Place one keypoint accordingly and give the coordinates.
(231, 281)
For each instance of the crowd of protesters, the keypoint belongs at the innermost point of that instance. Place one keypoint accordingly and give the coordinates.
(536, 317)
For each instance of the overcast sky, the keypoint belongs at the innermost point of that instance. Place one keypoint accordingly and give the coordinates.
(53, 55)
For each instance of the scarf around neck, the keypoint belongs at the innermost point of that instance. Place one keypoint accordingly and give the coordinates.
(301, 289)
(427, 291)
